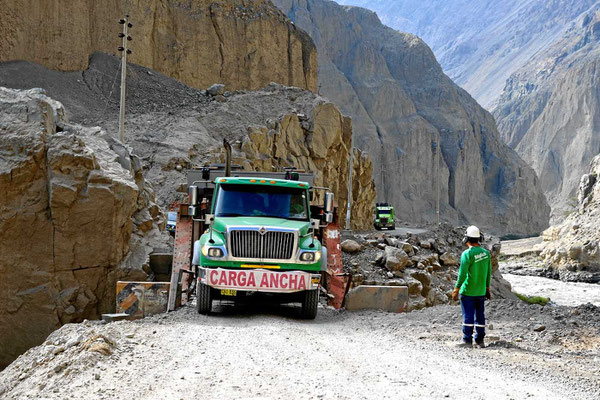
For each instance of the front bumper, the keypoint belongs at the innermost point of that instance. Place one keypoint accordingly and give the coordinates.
(259, 280)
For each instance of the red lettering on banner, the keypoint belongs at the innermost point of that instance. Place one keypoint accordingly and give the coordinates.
(264, 281)
(232, 278)
(293, 281)
(302, 283)
(242, 278)
(223, 279)
(284, 278)
(251, 280)
(213, 277)
(274, 281)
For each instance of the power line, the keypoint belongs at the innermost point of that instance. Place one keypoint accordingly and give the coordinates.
(124, 52)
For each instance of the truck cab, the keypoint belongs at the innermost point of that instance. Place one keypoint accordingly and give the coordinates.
(384, 217)
(261, 237)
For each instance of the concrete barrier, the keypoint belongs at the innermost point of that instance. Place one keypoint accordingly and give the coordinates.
(386, 298)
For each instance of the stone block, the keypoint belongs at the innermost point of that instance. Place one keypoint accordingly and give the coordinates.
(386, 298)
(116, 317)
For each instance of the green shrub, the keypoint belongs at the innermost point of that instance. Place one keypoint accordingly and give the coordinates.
(533, 299)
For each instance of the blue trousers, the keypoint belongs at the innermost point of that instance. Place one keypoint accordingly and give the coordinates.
(473, 312)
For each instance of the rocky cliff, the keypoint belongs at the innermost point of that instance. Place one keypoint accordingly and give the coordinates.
(572, 249)
(173, 127)
(244, 44)
(549, 111)
(402, 106)
(76, 215)
(480, 43)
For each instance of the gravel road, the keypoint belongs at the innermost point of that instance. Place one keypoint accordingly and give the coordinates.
(267, 353)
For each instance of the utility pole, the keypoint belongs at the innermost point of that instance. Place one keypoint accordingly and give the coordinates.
(381, 173)
(439, 178)
(350, 167)
(124, 52)
(436, 146)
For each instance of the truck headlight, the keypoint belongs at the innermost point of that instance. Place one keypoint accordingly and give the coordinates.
(214, 252)
(311, 256)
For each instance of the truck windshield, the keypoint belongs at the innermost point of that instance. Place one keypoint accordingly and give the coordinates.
(384, 213)
(261, 201)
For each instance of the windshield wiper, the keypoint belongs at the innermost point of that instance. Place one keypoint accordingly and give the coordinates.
(231, 215)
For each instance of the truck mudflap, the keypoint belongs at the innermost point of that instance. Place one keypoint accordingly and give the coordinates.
(259, 280)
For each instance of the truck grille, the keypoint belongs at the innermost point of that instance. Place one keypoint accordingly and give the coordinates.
(273, 245)
(384, 221)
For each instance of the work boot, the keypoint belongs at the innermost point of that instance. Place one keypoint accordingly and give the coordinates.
(465, 345)
(480, 345)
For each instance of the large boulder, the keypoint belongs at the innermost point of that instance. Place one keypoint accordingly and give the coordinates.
(395, 259)
(351, 246)
(76, 215)
(449, 259)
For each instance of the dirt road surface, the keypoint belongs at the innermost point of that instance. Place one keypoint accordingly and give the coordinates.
(267, 353)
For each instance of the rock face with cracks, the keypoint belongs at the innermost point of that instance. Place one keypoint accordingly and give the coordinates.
(244, 44)
(549, 111)
(173, 127)
(76, 215)
(572, 249)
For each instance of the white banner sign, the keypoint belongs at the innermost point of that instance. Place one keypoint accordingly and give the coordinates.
(261, 280)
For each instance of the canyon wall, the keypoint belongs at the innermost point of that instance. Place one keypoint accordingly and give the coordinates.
(404, 109)
(244, 44)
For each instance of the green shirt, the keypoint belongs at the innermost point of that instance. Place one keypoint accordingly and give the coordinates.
(475, 271)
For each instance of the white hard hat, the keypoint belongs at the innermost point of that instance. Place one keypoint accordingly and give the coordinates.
(473, 232)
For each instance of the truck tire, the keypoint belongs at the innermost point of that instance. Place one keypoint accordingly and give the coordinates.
(203, 298)
(310, 303)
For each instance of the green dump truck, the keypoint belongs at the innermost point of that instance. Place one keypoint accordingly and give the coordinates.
(384, 217)
(259, 236)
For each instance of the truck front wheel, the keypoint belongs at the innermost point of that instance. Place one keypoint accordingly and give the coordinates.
(310, 303)
(203, 298)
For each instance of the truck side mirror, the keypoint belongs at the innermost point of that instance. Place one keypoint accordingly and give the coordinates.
(328, 203)
(193, 196)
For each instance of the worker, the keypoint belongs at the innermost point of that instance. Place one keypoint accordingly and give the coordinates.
(473, 286)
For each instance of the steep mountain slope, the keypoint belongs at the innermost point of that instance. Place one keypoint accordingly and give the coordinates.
(403, 106)
(480, 43)
(550, 111)
(172, 127)
(244, 44)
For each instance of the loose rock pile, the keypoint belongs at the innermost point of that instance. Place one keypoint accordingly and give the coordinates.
(427, 263)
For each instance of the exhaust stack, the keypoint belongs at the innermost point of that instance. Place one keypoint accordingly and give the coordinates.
(227, 157)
